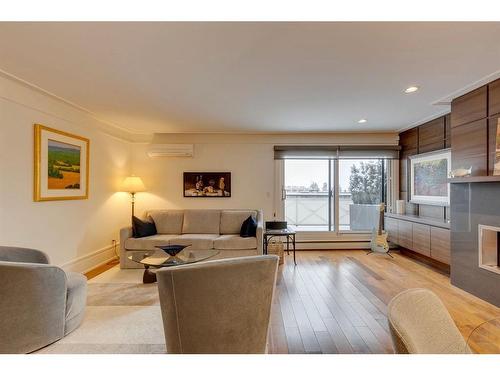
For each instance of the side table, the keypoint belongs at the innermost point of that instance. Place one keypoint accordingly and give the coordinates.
(288, 233)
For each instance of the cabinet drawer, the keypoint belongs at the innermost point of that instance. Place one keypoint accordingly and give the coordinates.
(405, 234)
(422, 239)
(440, 244)
(391, 227)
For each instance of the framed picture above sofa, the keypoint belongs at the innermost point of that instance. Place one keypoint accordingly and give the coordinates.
(207, 184)
(429, 178)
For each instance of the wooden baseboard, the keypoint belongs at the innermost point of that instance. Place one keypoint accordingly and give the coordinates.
(91, 260)
(441, 267)
(101, 268)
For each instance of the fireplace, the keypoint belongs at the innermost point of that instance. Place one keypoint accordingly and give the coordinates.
(475, 228)
(489, 248)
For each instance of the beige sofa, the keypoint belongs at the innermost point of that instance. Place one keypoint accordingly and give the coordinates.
(202, 229)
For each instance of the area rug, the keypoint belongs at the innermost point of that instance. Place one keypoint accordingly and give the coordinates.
(122, 316)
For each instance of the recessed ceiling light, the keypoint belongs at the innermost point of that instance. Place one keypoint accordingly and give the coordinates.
(411, 89)
(362, 121)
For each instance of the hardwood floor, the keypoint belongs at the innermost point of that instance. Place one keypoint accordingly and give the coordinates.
(336, 301)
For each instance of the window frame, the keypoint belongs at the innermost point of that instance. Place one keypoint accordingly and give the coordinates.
(334, 194)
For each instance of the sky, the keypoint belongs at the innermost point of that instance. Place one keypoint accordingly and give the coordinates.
(53, 143)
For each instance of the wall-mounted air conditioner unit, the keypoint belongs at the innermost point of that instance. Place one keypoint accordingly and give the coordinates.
(170, 150)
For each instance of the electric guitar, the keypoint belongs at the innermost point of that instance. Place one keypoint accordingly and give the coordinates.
(379, 242)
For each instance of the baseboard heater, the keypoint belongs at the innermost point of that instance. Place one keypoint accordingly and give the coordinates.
(332, 245)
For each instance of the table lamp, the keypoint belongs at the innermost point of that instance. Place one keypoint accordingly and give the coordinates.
(132, 185)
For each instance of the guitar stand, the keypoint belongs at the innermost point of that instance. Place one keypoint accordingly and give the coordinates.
(373, 252)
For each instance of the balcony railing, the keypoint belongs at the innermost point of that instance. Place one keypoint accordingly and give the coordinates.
(309, 211)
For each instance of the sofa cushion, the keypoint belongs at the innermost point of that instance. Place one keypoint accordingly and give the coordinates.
(167, 221)
(197, 241)
(142, 228)
(235, 242)
(201, 221)
(148, 243)
(249, 228)
(230, 221)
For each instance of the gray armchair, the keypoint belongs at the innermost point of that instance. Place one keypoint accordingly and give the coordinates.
(40, 303)
(218, 307)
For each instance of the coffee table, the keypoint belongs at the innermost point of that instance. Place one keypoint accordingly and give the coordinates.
(159, 259)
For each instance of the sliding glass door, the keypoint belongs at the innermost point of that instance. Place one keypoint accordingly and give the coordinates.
(361, 186)
(334, 194)
(307, 193)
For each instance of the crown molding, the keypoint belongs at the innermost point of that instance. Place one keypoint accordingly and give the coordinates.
(446, 100)
(424, 120)
(105, 126)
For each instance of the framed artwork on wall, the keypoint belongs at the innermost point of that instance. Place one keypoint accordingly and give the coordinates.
(207, 184)
(429, 178)
(61, 165)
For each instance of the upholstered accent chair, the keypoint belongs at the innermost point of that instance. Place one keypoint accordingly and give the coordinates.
(218, 307)
(420, 324)
(40, 303)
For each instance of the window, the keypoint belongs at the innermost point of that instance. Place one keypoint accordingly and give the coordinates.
(313, 188)
(307, 194)
(361, 189)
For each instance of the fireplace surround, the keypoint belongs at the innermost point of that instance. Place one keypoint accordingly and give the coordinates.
(475, 223)
(489, 248)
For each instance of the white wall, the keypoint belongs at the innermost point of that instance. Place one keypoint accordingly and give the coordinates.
(252, 177)
(75, 233)
(248, 157)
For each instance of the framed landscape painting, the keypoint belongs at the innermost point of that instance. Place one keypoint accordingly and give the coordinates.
(61, 169)
(207, 184)
(429, 178)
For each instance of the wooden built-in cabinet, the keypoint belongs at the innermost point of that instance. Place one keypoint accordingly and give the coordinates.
(440, 244)
(431, 135)
(447, 132)
(408, 140)
(421, 239)
(470, 107)
(391, 227)
(419, 235)
(494, 98)
(493, 122)
(474, 117)
(469, 147)
(405, 234)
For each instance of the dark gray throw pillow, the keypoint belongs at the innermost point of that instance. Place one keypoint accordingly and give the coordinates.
(142, 228)
(248, 228)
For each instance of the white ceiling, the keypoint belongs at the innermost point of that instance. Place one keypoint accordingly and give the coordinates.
(252, 77)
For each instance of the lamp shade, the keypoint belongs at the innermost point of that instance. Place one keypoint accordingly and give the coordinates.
(133, 184)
